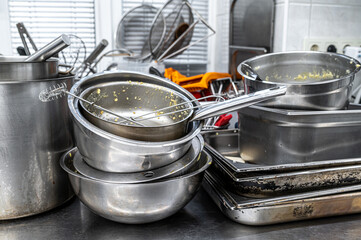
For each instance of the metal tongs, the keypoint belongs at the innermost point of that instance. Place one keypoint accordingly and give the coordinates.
(22, 31)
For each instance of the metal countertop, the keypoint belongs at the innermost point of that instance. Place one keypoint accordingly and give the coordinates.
(200, 219)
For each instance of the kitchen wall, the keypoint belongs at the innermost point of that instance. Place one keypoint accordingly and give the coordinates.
(301, 24)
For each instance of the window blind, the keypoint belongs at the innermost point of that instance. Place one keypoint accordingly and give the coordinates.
(194, 60)
(47, 19)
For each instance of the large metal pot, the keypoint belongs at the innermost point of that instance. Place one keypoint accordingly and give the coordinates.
(14, 68)
(33, 136)
(111, 153)
(138, 202)
(314, 80)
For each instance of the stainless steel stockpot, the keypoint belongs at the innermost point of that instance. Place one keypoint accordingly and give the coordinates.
(14, 68)
(33, 137)
(139, 202)
(108, 152)
(314, 80)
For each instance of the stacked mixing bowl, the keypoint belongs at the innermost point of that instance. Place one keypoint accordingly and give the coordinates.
(127, 180)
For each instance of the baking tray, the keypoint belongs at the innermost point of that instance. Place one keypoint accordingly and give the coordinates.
(273, 136)
(223, 146)
(250, 212)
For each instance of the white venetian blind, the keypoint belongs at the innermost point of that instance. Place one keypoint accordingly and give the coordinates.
(47, 19)
(194, 60)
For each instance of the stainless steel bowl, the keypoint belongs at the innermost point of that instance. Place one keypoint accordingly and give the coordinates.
(314, 80)
(14, 68)
(136, 203)
(105, 151)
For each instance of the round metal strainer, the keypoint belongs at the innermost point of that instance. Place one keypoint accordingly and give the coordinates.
(133, 31)
(179, 18)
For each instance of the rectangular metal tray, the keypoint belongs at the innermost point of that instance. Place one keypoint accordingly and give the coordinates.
(248, 211)
(224, 143)
(277, 136)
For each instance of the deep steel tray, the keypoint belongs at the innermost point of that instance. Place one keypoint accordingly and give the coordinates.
(253, 212)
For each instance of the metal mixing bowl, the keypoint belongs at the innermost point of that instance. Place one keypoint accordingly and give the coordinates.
(108, 152)
(139, 202)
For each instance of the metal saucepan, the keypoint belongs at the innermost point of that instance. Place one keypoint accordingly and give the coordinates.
(107, 150)
(149, 104)
(37, 66)
(174, 169)
(314, 80)
(139, 202)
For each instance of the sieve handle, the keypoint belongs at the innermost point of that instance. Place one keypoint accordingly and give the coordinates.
(238, 103)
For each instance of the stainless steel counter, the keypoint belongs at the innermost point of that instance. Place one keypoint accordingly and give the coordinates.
(200, 219)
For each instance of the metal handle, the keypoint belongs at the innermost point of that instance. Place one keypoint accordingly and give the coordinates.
(50, 49)
(23, 31)
(96, 52)
(238, 102)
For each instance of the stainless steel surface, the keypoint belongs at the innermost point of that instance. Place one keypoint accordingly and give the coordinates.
(224, 148)
(177, 168)
(15, 69)
(33, 136)
(314, 80)
(200, 219)
(23, 31)
(233, 206)
(50, 49)
(94, 143)
(136, 203)
(302, 136)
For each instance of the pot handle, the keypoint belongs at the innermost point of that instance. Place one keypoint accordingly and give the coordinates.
(238, 103)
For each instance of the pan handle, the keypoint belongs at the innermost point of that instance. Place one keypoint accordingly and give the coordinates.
(238, 103)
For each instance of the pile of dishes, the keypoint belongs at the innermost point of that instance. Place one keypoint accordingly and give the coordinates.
(120, 171)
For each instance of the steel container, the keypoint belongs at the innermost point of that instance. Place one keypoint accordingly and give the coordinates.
(108, 152)
(14, 68)
(314, 80)
(139, 202)
(270, 136)
(33, 136)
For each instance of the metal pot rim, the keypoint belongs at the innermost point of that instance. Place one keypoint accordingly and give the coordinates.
(75, 112)
(35, 80)
(191, 111)
(70, 153)
(354, 61)
(18, 59)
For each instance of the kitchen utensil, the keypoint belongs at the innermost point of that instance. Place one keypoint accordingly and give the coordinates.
(151, 104)
(231, 206)
(88, 65)
(94, 143)
(302, 136)
(314, 80)
(23, 31)
(139, 202)
(224, 148)
(177, 168)
(14, 68)
(60, 90)
(75, 54)
(33, 136)
(50, 49)
(133, 30)
(263, 186)
(178, 18)
(179, 10)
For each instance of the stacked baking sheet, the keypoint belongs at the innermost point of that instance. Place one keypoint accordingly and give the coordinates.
(260, 194)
